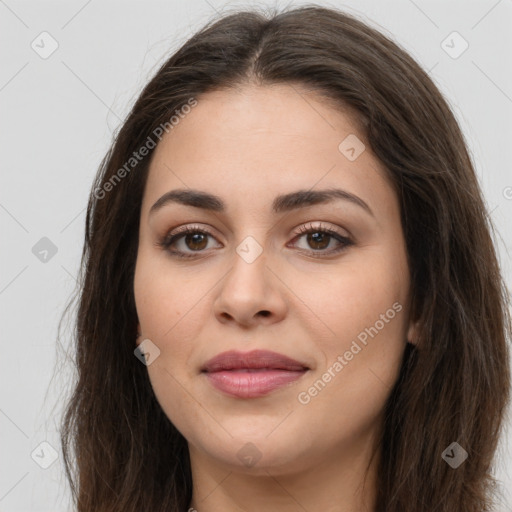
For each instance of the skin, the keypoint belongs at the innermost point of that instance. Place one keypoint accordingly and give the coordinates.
(247, 146)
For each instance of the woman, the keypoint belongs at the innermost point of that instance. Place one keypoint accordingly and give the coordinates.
(290, 299)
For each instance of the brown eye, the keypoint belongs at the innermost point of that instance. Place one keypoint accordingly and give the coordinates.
(192, 241)
(318, 239)
(186, 241)
(196, 241)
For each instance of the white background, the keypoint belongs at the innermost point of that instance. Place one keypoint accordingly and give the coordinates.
(57, 119)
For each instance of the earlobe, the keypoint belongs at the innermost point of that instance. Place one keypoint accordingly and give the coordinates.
(412, 332)
(139, 335)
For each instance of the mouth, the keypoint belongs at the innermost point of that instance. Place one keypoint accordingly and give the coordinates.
(252, 374)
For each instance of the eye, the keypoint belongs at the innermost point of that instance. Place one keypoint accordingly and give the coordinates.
(319, 238)
(194, 239)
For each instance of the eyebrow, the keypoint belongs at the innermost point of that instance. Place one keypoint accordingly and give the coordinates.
(282, 203)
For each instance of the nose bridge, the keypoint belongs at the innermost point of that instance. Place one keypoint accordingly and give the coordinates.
(249, 267)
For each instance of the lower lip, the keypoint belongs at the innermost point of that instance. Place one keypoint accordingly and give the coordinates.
(252, 384)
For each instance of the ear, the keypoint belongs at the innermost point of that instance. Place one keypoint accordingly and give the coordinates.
(139, 335)
(412, 332)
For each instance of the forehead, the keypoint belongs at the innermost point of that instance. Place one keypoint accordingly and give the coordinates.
(258, 141)
(258, 113)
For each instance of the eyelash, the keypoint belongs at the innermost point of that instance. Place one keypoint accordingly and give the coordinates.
(167, 241)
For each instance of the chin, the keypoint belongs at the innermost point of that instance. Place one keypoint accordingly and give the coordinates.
(258, 452)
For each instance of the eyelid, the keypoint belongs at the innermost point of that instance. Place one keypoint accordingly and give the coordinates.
(321, 226)
(188, 228)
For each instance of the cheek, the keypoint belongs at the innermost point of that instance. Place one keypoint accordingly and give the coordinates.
(166, 307)
(366, 324)
(354, 296)
(168, 302)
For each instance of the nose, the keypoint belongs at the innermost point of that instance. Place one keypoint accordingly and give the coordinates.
(251, 293)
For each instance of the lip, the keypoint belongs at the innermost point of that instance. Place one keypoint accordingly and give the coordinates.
(252, 374)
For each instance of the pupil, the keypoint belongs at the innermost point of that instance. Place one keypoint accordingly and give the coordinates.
(317, 238)
(195, 239)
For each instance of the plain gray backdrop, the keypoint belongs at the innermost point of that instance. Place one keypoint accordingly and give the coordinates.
(69, 75)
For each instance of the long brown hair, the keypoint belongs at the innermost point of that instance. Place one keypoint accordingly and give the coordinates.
(121, 452)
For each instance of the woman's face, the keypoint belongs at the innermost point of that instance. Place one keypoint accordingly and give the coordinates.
(334, 299)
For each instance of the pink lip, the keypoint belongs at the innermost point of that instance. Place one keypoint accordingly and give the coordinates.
(252, 374)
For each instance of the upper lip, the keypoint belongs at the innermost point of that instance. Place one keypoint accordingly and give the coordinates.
(234, 360)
